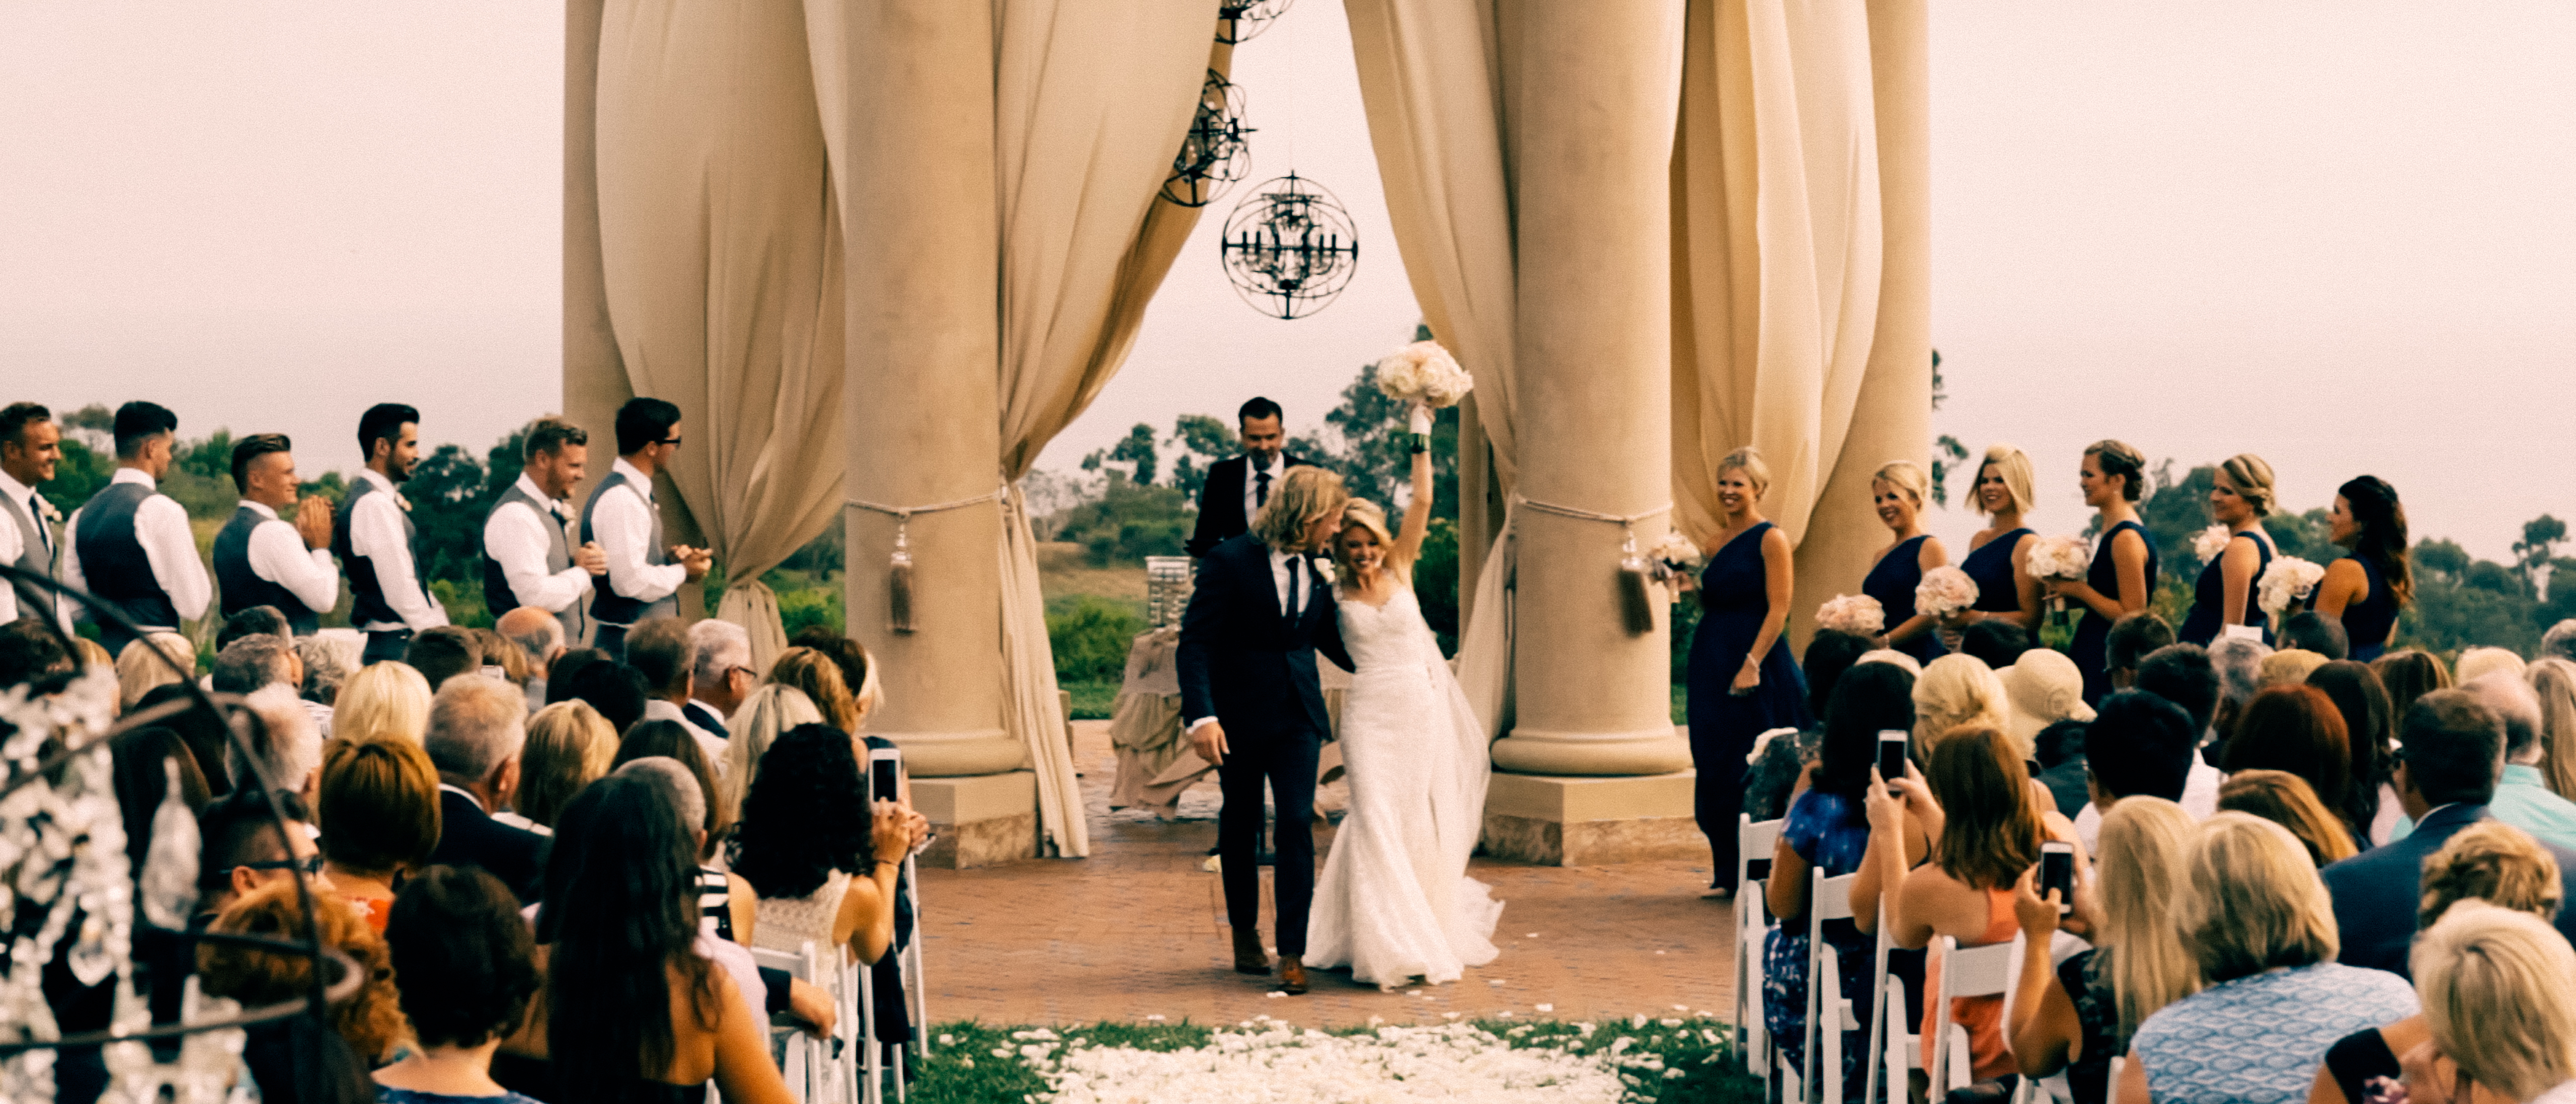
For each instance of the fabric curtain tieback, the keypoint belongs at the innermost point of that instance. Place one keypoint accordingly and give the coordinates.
(899, 566)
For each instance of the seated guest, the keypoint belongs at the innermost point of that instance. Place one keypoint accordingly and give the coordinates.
(540, 636)
(2495, 987)
(323, 672)
(2183, 675)
(251, 662)
(2080, 1015)
(2253, 913)
(1958, 691)
(370, 1020)
(158, 659)
(477, 726)
(2296, 728)
(443, 653)
(858, 668)
(2310, 631)
(644, 1012)
(468, 969)
(29, 651)
(670, 740)
(240, 850)
(382, 700)
(658, 649)
(1983, 815)
(1998, 647)
(2356, 694)
(2476, 662)
(2408, 674)
(2495, 863)
(1828, 830)
(2560, 641)
(283, 747)
(2285, 799)
(1782, 757)
(819, 676)
(2058, 751)
(2450, 753)
(823, 864)
(2553, 682)
(254, 621)
(569, 746)
(2044, 688)
(2239, 664)
(767, 714)
(617, 691)
(720, 674)
(2523, 797)
(504, 653)
(560, 671)
(1893, 658)
(146, 761)
(2288, 667)
(2141, 746)
(205, 733)
(379, 808)
(2133, 638)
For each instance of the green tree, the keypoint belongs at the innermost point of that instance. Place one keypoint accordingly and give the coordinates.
(1090, 637)
(2541, 537)
(83, 472)
(1201, 441)
(1128, 522)
(449, 496)
(1136, 450)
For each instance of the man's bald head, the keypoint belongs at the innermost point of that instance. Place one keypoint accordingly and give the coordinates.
(536, 632)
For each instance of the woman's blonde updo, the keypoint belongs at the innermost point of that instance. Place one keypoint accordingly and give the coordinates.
(1749, 461)
(2253, 479)
(1906, 476)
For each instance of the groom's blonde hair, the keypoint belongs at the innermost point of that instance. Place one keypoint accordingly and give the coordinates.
(1305, 495)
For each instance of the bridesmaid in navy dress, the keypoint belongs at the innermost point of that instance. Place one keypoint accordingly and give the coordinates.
(1742, 681)
(2123, 577)
(1897, 492)
(2227, 593)
(2367, 586)
(1999, 555)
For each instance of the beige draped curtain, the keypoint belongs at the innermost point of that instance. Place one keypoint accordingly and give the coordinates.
(722, 249)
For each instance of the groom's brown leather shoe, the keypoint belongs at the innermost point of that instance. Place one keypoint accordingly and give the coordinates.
(1292, 977)
(1249, 957)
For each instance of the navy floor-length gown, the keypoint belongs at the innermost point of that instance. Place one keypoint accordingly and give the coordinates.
(1892, 582)
(1734, 598)
(1990, 566)
(2368, 623)
(2091, 648)
(2209, 597)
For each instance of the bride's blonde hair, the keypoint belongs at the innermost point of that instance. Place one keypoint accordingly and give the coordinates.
(1364, 514)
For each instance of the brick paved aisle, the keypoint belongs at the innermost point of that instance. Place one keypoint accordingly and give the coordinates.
(1138, 930)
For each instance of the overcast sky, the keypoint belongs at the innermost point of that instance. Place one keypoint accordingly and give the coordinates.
(2339, 234)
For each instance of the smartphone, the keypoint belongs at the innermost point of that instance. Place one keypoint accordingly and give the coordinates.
(885, 768)
(1892, 743)
(2057, 872)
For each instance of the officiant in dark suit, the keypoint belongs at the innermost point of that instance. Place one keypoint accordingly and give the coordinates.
(1255, 707)
(1238, 486)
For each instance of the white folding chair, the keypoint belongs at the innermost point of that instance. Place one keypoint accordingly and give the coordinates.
(1753, 847)
(912, 965)
(1970, 972)
(814, 1072)
(1828, 1017)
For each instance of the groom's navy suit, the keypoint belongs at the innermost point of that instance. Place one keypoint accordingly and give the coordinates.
(1248, 662)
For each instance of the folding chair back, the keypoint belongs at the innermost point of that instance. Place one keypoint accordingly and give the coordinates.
(1753, 846)
(1829, 1014)
(1965, 972)
(816, 1070)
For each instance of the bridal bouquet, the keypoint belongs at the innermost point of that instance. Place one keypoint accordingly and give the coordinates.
(1857, 614)
(1944, 591)
(1423, 373)
(2208, 543)
(2284, 584)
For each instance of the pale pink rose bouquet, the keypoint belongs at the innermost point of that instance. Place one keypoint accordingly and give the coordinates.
(2065, 558)
(1425, 377)
(1858, 614)
(1945, 590)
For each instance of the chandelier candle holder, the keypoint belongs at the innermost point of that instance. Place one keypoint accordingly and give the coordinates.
(1214, 154)
(1290, 248)
(1239, 20)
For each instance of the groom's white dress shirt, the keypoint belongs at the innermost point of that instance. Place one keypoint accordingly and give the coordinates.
(1282, 566)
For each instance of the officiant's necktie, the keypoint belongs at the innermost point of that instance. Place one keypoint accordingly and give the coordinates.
(1260, 489)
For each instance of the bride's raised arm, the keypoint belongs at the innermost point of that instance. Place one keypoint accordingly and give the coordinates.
(1417, 513)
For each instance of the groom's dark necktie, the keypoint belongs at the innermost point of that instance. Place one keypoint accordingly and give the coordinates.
(1260, 489)
(1296, 569)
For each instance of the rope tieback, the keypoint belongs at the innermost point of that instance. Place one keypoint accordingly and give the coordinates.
(899, 566)
(1636, 607)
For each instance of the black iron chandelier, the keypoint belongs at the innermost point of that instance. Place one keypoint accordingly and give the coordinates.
(1290, 248)
(1239, 20)
(1214, 155)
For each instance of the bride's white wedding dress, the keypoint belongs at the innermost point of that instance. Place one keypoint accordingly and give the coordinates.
(1395, 901)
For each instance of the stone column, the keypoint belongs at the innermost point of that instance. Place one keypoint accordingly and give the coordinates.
(923, 404)
(1591, 101)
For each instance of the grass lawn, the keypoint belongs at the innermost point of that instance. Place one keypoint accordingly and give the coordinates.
(1091, 700)
(1658, 1061)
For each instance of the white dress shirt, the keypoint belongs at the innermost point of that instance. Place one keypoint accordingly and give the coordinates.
(657, 709)
(161, 527)
(1251, 482)
(515, 538)
(1282, 565)
(12, 545)
(622, 523)
(277, 554)
(376, 532)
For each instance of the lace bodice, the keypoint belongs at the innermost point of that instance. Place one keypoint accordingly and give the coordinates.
(785, 924)
(1389, 636)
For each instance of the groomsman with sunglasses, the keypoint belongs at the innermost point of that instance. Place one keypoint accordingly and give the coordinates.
(644, 574)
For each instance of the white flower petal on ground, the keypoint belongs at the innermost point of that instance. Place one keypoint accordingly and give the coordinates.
(1547, 1008)
(1392, 1065)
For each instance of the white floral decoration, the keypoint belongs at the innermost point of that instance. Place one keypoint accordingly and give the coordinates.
(2208, 543)
(1944, 590)
(2060, 557)
(2287, 581)
(1423, 372)
(1858, 614)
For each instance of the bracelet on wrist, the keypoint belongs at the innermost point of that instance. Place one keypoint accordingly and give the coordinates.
(1421, 444)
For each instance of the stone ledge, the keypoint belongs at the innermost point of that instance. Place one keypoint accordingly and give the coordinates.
(982, 819)
(1562, 821)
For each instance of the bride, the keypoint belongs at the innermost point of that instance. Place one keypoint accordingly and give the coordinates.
(1395, 903)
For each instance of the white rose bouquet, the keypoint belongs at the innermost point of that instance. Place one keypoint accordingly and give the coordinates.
(1858, 614)
(2208, 543)
(2287, 582)
(1425, 376)
(1945, 590)
(1675, 557)
(2065, 558)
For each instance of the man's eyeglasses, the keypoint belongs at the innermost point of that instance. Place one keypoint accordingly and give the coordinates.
(674, 442)
(740, 669)
(309, 864)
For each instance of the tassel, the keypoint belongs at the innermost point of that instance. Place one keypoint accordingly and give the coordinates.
(1635, 607)
(899, 581)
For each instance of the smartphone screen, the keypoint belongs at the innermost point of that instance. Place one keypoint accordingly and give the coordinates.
(881, 779)
(2057, 872)
(1891, 753)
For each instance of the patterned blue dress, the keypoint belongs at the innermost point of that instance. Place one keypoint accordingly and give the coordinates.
(1892, 582)
(2091, 648)
(1830, 832)
(2260, 1039)
(1735, 596)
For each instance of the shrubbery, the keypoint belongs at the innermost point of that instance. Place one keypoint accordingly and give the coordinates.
(1091, 635)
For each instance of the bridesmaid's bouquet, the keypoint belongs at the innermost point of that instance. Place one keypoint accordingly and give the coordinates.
(1945, 590)
(2208, 543)
(1423, 373)
(2286, 583)
(1857, 614)
(1675, 557)
(2064, 558)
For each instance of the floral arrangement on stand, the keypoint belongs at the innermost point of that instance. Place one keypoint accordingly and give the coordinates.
(2285, 584)
(2064, 558)
(1857, 614)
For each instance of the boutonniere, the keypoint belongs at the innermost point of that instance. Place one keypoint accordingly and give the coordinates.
(405, 503)
(50, 512)
(1323, 569)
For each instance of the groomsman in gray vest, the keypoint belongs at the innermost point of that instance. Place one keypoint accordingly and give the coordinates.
(527, 558)
(377, 545)
(30, 445)
(262, 559)
(621, 516)
(130, 544)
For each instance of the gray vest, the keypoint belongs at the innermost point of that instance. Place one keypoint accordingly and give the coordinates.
(606, 605)
(367, 604)
(38, 553)
(241, 584)
(497, 595)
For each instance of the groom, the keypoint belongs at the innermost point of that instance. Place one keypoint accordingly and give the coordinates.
(1261, 610)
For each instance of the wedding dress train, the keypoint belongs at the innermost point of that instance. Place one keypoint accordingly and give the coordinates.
(1395, 902)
